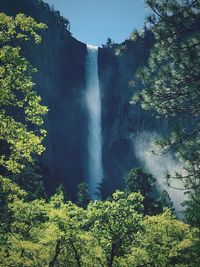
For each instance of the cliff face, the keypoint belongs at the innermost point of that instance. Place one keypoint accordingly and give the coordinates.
(60, 81)
(122, 121)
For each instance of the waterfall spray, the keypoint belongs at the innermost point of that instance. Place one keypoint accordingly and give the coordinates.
(160, 166)
(93, 102)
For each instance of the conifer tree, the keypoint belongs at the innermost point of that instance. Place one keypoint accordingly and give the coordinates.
(171, 82)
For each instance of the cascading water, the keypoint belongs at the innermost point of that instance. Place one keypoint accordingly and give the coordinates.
(93, 102)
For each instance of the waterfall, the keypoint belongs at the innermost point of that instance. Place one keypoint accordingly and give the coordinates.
(93, 102)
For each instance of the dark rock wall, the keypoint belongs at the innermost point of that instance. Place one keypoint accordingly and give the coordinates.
(121, 121)
(60, 81)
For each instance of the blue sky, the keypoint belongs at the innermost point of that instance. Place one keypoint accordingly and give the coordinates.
(93, 21)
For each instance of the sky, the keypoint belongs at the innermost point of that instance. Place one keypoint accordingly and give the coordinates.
(93, 21)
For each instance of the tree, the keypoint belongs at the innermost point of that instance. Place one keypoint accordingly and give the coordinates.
(83, 195)
(138, 180)
(61, 189)
(21, 111)
(46, 234)
(23, 246)
(115, 224)
(111, 233)
(30, 180)
(164, 241)
(165, 200)
(9, 193)
(109, 43)
(171, 82)
(104, 189)
(192, 211)
(65, 236)
(168, 242)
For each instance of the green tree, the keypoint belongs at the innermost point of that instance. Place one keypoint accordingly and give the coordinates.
(61, 189)
(83, 195)
(65, 237)
(23, 246)
(168, 241)
(111, 233)
(9, 193)
(165, 200)
(164, 241)
(171, 82)
(115, 224)
(21, 113)
(138, 180)
(30, 180)
(46, 234)
(20, 105)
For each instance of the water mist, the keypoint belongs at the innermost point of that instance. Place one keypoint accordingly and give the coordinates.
(159, 166)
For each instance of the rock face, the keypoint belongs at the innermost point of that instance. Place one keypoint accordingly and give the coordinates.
(60, 81)
(122, 121)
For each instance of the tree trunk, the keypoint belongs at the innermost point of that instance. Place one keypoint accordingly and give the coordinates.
(112, 255)
(77, 256)
(57, 252)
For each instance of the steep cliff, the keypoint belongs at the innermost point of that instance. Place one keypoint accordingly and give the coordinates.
(122, 121)
(60, 80)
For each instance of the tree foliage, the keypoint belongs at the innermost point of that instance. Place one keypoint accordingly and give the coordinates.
(21, 110)
(116, 223)
(168, 241)
(171, 82)
(111, 233)
(155, 200)
(83, 195)
(21, 117)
